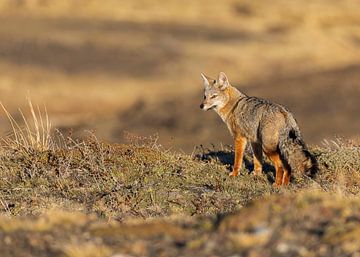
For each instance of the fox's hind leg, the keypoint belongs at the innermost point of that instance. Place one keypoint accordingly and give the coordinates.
(258, 158)
(286, 177)
(275, 158)
(240, 143)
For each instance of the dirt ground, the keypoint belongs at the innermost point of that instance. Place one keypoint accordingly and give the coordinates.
(135, 66)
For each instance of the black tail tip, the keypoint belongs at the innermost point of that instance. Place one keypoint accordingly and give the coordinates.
(314, 167)
(312, 171)
(292, 134)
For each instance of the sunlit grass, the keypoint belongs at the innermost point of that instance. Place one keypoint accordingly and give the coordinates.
(29, 133)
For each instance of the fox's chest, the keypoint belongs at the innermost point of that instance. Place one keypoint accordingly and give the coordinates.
(234, 127)
(229, 121)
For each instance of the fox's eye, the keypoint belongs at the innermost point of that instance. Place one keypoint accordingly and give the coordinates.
(213, 96)
(204, 96)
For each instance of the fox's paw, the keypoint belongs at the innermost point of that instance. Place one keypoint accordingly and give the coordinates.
(234, 174)
(276, 185)
(257, 172)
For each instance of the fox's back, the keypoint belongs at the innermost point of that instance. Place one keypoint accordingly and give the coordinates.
(257, 118)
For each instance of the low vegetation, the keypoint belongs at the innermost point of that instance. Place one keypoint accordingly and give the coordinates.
(301, 224)
(142, 180)
(102, 194)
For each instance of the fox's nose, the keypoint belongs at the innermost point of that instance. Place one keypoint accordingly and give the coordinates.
(201, 106)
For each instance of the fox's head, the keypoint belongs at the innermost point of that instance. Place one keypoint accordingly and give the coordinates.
(215, 96)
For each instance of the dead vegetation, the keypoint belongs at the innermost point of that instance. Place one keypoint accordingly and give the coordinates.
(142, 180)
(303, 224)
(101, 185)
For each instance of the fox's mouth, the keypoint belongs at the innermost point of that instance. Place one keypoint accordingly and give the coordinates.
(204, 108)
(209, 108)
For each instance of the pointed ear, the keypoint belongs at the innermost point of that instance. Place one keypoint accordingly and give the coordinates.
(205, 80)
(223, 81)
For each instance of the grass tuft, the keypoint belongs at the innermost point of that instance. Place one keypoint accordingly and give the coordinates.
(34, 134)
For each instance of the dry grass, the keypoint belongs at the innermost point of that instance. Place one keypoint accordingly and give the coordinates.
(185, 200)
(302, 224)
(142, 179)
(33, 135)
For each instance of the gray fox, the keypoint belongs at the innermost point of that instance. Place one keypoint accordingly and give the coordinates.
(269, 127)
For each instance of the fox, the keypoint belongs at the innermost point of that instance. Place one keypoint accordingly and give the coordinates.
(269, 127)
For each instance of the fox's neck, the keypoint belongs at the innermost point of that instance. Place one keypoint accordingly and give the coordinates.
(234, 96)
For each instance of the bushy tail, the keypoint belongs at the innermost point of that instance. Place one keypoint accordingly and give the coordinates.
(294, 153)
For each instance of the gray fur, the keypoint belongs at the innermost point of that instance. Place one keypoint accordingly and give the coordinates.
(274, 127)
(261, 122)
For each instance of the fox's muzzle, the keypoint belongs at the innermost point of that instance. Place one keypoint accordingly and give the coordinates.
(206, 107)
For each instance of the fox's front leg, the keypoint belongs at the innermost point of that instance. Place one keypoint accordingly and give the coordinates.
(240, 143)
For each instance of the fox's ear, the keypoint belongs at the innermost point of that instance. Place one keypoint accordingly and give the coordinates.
(223, 81)
(205, 80)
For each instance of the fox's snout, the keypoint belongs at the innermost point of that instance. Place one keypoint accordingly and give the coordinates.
(206, 105)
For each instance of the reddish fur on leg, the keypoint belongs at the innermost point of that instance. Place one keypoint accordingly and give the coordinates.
(275, 158)
(286, 178)
(240, 143)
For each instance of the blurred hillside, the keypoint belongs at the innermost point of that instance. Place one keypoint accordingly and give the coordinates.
(134, 65)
